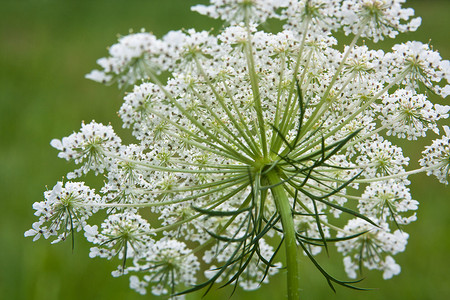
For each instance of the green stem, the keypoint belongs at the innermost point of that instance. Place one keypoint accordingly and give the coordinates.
(284, 209)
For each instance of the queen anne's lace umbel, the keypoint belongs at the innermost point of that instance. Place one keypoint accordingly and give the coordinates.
(255, 140)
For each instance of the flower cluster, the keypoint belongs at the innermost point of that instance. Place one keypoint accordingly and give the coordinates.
(167, 264)
(436, 157)
(89, 147)
(123, 234)
(63, 211)
(256, 140)
(372, 249)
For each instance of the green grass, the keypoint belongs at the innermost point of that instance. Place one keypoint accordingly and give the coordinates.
(46, 48)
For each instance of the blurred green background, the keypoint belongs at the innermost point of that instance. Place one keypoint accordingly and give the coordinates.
(46, 48)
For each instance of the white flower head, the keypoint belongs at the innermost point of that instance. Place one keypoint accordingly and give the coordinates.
(436, 157)
(89, 147)
(131, 59)
(418, 64)
(236, 11)
(406, 114)
(377, 18)
(167, 264)
(388, 201)
(370, 248)
(248, 142)
(125, 234)
(64, 211)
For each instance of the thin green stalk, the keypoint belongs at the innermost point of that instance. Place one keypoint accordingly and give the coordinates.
(189, 189)
(347, 119)
(318, 112)
(227, 111)
(382, 178)
(306, 67)
(157, 204)
(396, 176)
(147, 166)
(238, 156)
(280, 89)
(255, 87)
(286, 115)
(241, 118)
(227, 133)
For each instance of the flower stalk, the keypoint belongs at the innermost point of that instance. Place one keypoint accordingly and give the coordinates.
(289, 235)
